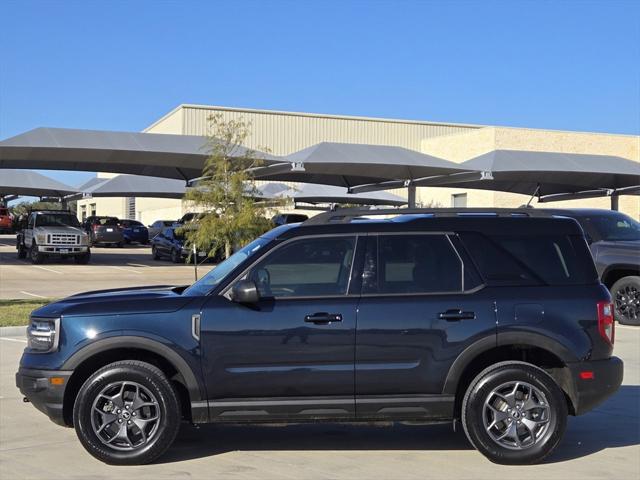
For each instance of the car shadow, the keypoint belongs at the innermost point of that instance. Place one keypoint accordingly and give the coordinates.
(614, 424)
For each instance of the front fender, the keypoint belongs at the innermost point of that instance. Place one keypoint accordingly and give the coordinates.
(193, 382)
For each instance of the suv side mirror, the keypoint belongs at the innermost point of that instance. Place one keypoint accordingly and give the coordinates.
(245, 291)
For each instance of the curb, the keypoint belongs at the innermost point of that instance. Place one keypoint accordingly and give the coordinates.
(13, 331)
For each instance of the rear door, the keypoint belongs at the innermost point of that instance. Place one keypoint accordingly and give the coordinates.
(421, 306)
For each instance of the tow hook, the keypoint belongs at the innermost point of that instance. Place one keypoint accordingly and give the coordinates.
(25, 400)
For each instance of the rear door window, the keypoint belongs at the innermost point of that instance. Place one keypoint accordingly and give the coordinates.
(410, 264)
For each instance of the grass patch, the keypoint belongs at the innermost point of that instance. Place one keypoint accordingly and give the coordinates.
(16, 312)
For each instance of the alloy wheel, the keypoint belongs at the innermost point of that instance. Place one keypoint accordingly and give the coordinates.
(516, 415)
(627, 301)
(125, 416)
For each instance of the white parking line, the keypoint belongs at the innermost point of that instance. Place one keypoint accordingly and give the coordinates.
(47, 269)
(138, 265)
(32, 294)
(126, 270)
(19, 340)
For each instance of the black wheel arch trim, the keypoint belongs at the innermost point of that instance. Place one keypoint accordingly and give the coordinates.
(194, 386)
(502, 339)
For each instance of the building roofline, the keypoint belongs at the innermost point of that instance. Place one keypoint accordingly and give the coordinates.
(373, 119)
(313, 115)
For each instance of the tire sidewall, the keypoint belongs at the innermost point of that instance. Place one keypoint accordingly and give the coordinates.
(168, 407)
(474, 406)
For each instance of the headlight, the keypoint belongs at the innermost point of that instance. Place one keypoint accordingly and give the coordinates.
(84, 239)
(41, 238)
(43, 334)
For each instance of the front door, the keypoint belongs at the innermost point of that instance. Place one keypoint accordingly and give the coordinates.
(291, 355)
(416, 315)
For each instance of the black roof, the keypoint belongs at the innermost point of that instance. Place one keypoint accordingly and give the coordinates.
(488, 221)
(582, 212)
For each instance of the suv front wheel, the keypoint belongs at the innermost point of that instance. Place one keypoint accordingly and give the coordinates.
(514, 413)
(36, 257)
(127, 413)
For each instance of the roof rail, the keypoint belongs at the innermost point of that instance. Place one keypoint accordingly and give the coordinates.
(50, 210)
(346, 215)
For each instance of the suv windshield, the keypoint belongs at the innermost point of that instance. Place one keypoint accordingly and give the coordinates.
(56, 220)
(215, 276)
(615, 227)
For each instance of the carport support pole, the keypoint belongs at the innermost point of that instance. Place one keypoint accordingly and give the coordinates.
(615, 199)
(411, 194)
(195, 261)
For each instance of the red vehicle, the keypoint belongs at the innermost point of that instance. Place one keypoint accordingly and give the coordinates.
(5, 220)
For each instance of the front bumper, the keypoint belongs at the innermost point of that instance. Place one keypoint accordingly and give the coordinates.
(63, 249)
(36, 386)
(604, 377)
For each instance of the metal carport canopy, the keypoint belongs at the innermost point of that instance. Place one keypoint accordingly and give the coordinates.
(314, 193)
(134, 186)
(31, 184)
(545, 173)
(348, 165)
(159, 155)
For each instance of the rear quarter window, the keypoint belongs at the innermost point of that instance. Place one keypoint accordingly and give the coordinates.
(532, 260)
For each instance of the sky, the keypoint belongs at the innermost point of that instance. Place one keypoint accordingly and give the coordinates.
(121, 65)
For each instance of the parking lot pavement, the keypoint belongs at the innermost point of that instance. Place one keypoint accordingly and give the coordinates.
(109, 268)
(602, 444)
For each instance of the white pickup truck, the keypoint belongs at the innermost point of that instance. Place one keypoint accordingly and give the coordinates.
(53, 233)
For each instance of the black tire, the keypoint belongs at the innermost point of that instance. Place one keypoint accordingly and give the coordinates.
(482, 389)
(120, 244)
(154, 253)
(36, 257)
(625, 294)
(150, 378)
(83, 259)
(175, 256)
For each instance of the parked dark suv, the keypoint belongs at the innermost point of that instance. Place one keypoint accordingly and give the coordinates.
(497, 320)
(614, 239)
(104, 230)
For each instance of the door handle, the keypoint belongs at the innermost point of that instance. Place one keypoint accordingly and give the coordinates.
(456, 314)
(323, 318)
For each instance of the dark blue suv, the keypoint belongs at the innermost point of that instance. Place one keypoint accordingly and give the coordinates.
(494, 319)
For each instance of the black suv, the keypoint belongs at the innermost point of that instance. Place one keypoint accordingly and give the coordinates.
(494, 319)
(614, 239)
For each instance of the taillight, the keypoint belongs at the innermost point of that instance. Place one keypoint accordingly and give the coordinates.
(95, 227)
(606, 324)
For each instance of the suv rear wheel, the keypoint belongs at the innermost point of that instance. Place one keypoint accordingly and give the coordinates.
(626, 300)
(127, 413)
(514, 413)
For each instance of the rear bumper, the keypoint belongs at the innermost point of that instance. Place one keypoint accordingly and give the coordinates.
(36, 386)
(588, 393)
(136, 237)
(107, 238)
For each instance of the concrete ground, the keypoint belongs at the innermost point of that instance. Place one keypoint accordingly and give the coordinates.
(604, 443)
(109, 268)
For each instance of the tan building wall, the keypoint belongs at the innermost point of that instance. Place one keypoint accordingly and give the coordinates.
(285, 132)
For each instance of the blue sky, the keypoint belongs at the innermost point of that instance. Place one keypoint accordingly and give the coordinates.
(120, 65)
